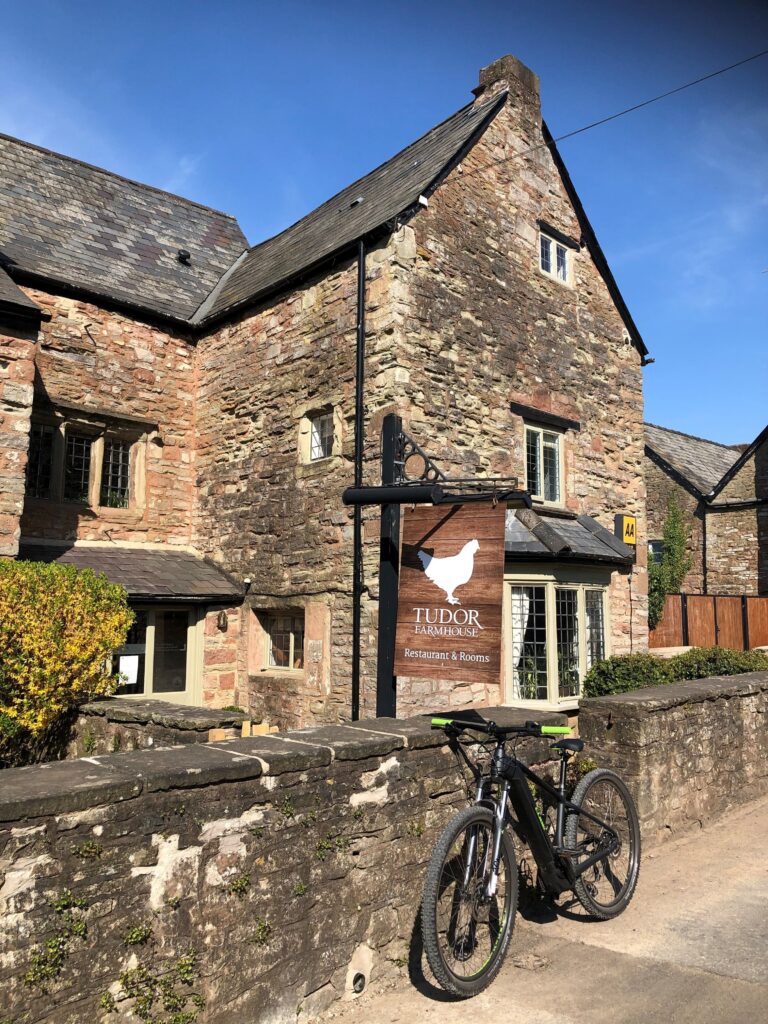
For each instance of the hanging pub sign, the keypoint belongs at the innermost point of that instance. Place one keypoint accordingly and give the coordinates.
(451, 584)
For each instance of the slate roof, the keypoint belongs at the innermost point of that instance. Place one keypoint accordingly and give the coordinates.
(148, 574)
(86, 228)
(386, 192)
(533, 534)
(14, 299)
(702, 463)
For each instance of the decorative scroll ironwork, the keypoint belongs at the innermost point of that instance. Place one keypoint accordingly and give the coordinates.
(409, 451)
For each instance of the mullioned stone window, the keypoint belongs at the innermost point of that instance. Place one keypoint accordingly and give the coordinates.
(78, 459)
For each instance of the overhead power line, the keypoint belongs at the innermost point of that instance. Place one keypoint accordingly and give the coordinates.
(655, 99)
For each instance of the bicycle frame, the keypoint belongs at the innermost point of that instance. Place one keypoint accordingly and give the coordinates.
(555, 863)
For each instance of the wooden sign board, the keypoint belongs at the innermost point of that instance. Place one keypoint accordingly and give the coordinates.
(451, 584)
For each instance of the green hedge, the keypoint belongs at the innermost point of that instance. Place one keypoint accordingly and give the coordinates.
(635, 671)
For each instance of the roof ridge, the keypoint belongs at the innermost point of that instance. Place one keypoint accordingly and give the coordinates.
(692, 437)
(120, 177)
(378, 167)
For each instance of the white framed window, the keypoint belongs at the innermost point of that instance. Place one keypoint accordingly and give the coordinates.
(543, 464)
(321, 436)
(162, 654)
(84, 463)
(555, 259)
(285, 639)
(555, 631)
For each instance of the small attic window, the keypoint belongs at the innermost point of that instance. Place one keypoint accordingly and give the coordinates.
(184, 256)
(356, 202)
(554, 259)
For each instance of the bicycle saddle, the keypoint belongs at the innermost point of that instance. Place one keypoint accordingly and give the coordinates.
(573, 745)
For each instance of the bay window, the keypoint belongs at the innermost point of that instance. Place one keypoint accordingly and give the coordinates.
(555, 630)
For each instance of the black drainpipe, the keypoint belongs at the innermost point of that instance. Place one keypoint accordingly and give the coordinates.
(704, 545)
(357, 556)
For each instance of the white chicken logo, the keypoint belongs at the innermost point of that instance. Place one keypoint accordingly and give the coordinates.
(450, 573)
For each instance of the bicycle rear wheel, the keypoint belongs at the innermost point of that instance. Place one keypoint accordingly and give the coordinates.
(465, 933)
(605, 889)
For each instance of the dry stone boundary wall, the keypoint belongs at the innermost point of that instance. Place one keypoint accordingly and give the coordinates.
(263, 874)
(688, 752)
(267, 872)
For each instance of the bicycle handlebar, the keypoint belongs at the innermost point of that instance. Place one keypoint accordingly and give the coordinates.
(457, 725)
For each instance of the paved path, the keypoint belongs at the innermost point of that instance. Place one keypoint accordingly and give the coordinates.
(692, 947)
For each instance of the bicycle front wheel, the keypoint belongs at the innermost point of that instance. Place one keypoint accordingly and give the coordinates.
(605, 888)
(465, 931)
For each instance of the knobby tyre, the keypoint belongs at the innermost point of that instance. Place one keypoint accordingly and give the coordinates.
(466, 935)
(605, 889)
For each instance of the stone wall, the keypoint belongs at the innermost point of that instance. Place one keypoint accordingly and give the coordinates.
(662, 488)
(111, 366)
(115, 724)
(17, 373)
(262, 874)
(266, 872)
(737, 539)
(689, 751)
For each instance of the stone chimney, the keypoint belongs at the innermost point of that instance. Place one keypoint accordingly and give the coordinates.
(510, 74)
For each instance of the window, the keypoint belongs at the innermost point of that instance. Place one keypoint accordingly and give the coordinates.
(74, 460)
(555, 633)
(77, 467)
(321, 436)
(160, 655)
(40, 461)
(554, 259)
(543, 464)
(285, 640)
(115, 476)
(655, 550)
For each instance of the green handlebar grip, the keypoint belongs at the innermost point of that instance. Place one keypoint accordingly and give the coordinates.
(440, 723)
(553, 730)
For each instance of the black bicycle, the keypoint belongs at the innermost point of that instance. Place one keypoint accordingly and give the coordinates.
(589, 844)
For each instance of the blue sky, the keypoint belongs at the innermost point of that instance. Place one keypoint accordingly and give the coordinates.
(266, 110)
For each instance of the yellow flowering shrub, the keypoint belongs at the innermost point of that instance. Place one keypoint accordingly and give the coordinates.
(58, 627)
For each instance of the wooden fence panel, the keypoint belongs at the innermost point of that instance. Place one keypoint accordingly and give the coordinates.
(669, 632)
(730, 623)
(757, 613)
(701, 621)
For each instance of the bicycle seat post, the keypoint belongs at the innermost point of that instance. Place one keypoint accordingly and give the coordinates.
(560, 823)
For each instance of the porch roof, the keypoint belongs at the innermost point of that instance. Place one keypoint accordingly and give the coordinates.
(537, 534)
(148, 574)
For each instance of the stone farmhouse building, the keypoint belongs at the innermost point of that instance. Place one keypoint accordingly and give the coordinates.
(178, 408)
(723, 489)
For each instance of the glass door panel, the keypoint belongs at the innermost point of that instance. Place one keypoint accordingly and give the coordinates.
(169, 674)
(131, 658)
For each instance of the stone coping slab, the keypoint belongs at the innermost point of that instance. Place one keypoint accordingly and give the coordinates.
(279, 755)
(64, 786)
(67, 786)
(346, 743)
(659, 698)
(185, 767)
(164, 713)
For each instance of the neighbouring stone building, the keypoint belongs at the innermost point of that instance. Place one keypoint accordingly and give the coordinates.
(723, 489)
(178, 409)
